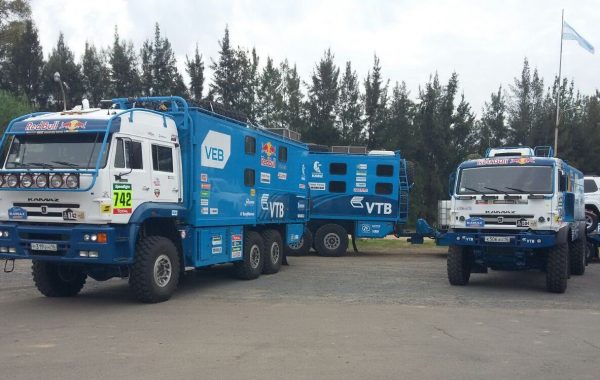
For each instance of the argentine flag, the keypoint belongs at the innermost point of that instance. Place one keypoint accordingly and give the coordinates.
(570, 34)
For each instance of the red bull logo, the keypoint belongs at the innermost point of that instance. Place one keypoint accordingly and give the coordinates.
(268, 150)
(73, 125)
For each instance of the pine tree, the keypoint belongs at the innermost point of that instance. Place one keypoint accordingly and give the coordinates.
(349, 108)
(520, 108)
(62, 60)
(96, 74)
(195, 69)
(323, 93)
(375, 100)
(222, 88)
(270, 98)
(463, 134)
(125, 80)
(293, 113)
(400, 133)
(146, 68)
(12, 106)
(23, 67)
(493, 128)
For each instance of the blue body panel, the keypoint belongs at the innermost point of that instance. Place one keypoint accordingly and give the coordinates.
(369, 191)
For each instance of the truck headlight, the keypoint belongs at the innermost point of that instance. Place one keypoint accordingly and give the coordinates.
(72, 181)
(41, 180)
(56, 180)
(27, 180)
(12, 180)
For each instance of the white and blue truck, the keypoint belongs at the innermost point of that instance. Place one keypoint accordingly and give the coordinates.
(145, 189)
(517, 209)
(364, 195)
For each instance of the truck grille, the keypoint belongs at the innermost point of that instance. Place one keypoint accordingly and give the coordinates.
(501, 219)
(51, 210)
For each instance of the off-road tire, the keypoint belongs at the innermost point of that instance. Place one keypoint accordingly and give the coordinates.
(302, 247)
(577, 256)
(557, 268)
(156, 257)
(273, 253)
(591, 221)
(251, 265)
(458, 265)
(331, 240)
(55, 280)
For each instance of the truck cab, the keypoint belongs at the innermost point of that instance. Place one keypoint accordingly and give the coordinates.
(517, 210)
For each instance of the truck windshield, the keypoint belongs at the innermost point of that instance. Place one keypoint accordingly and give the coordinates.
(65, 150)
(506, 179)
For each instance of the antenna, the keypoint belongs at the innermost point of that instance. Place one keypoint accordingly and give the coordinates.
(62, 88)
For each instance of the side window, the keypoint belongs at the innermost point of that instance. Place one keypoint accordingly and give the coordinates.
(128, 155)
(383, 188)
(135, 147)
(249, 177)
(589, 186)
(337, 168)
(162, 158)
(282, 156)
(337, 187)
(385, 170)
(249, 145)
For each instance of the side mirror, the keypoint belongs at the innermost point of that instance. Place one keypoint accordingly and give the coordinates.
(562, 181)
(451, 182)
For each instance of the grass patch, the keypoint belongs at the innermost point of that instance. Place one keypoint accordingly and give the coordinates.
(392, 243)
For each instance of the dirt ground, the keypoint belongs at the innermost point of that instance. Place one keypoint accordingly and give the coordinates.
(373, 315)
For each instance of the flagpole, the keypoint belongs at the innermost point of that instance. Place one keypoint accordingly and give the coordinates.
(562, 25)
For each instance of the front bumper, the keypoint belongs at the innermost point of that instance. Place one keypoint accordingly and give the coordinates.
(68, 241)
(517, 239)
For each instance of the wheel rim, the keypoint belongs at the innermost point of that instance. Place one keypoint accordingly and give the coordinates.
(274, 252)
(163, 270)
(297, 245)
(332, 241)
(588, 221)
(254, 256)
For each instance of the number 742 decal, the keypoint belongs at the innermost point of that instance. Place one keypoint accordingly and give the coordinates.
(122, 198)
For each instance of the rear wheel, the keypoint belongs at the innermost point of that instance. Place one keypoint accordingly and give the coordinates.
(591, 221)
(155, 272)
(273, 253)
(251, 266)
(302, 246)
(557, 268)
(577, 256)
(458, 265)
(55, 280)
(331, 240)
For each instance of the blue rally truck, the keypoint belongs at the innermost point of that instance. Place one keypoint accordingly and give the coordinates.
(363, 195)
(143, 190)
(517, 210)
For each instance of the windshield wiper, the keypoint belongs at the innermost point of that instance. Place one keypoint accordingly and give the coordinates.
(41, 165)
(67, 164)
(516, 189)
(19, 164)
(472, 189)
(497, 191)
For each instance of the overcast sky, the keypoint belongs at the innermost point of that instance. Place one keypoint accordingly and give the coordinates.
(483, 41)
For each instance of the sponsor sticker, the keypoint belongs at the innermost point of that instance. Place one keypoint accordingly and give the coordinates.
(203, 201)
(265, 177)
(174, 212)
(217, 250)
(252, 192)
(267, 157)
(215, 150)
(105, 208)
(301, 186)
(122, 198)
(203, 177)
(204, 210)
(71, 215)
(360, 190)
(361, 166)
(214, 211)
(316, 185)
(317, 173)
(282, 176)
(236, 237)
(247, 214)
(205, 193)
(360, 184)
(205, 186)
(17, 213)
(217, 240)
(475, 222)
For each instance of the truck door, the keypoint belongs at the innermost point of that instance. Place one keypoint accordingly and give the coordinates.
(130, 175)
(165, 172)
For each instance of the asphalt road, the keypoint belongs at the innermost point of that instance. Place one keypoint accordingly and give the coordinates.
(386, 315)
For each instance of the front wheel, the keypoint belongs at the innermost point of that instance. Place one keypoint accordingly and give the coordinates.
(55, 280)
(458, 265)
(331, 240)
(557, 268)
(155, 272)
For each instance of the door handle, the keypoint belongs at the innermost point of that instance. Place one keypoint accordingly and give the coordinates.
(175, 190)
(145, 188)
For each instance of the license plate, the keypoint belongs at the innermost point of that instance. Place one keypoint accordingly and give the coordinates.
(496, 239)
(44, 247)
